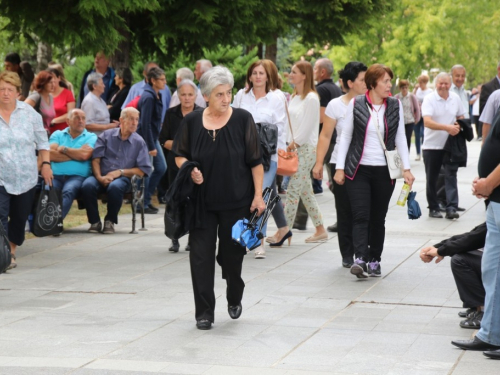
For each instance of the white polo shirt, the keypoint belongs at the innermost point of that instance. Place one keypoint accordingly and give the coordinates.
(443, 112)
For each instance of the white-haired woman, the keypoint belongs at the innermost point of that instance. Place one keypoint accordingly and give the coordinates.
(225, 143)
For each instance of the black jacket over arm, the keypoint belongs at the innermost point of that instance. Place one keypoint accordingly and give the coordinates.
(463, 243)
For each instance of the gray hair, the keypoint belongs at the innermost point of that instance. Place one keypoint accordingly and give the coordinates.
(148, 64)
(125, 111)
(71, 113)
(184, 73)
(442, 75)
(93, 79)
(188, 82)
(155, 73)
(457, 66)
(326, 64)
(218, 75)
(204, 65)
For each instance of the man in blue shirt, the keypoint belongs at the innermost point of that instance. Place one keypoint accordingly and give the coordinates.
(118, 155)
(137, 89)
(70, 152)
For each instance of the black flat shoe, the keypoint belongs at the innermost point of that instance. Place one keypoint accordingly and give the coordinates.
(452, 214)
(435, 214)
(332, 228)
(235, 311)
(460, 209)
(174, 247)
(203, 324)
(474, 344)
(347, 262)
(465, 313)
(493, 354)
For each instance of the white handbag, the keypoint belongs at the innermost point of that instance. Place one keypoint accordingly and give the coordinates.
(394, 162)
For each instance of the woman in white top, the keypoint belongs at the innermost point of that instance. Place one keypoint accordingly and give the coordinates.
(266, 105)
(421, 91)
(304, 117)
(362, 166)
(353, 82)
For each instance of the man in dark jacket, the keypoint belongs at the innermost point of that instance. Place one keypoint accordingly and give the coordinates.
(101, 65)
(466, 253)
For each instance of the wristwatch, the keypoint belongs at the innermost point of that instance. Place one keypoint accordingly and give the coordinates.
(65, 149)
(121, 172)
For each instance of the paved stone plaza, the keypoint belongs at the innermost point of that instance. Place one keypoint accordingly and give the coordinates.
(122, 304)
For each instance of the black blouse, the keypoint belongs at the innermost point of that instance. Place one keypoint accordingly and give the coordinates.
(226, 162)
(116, 101)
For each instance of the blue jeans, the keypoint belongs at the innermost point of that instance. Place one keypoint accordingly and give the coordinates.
(70, 187)
(159, 169)
(269, 177)
(419, 134)
(91, 188)
(490, 266)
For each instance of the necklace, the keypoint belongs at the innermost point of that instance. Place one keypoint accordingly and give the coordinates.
(214, 133)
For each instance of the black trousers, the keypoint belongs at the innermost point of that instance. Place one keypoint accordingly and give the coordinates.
(369, 194)
(218, 224)
(466, 268)
(479, 126)
(344, 218)
(433, 160)
(409, 131)
(14, 211)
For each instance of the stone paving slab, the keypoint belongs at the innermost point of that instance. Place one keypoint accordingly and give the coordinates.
(122, 304)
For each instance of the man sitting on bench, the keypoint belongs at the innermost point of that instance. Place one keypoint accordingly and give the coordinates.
(70, 153)
(118, 155)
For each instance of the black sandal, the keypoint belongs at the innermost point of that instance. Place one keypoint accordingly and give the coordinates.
(473, 321)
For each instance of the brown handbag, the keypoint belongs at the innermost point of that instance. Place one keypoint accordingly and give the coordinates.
(288, 161)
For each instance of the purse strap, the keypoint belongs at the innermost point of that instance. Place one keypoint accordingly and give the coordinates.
(288, 116)
(378, 131)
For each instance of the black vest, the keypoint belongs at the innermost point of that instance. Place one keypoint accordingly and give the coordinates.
(361, 116)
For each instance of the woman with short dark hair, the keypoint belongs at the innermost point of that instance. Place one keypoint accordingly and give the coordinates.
(362, 160)
(225, 143)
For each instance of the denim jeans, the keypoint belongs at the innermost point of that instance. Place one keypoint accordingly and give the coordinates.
(159, 169)
(70, 187)
(115, 190)
(490, 265)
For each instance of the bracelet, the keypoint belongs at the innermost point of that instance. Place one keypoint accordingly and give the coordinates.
(46, 162)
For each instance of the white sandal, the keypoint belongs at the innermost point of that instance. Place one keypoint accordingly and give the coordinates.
(260, 253)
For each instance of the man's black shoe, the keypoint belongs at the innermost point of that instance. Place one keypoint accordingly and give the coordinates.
(235, 311)
(460, 209)
(436, 214)
(174, 247)
(332, 228)
(188, 247)
(452, 214)
(347, 262)
(474, 344)
(203, 324)
(493, 354)
(465, 313)
(442, 207)
(299, 227)
(149, 210)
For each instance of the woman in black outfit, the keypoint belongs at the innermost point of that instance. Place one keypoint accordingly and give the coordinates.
(123, 79)
(187, 92)
(224, 141)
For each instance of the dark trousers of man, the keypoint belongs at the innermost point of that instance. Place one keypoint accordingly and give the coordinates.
(409, 131)
(301, 216)
(91, 188)
(202, 260)
(344, 219)
(14, 211)
(369, 194)
(466, 268)
(479, 126)
(433, 159)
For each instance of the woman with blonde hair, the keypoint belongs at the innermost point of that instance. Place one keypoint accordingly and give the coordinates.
(304, 118)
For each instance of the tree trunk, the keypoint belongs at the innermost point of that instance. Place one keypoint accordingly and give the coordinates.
(272, 50)
(121, 56)
(43, 56)
(260, 48)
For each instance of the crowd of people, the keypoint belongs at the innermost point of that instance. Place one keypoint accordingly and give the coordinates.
(204, 136)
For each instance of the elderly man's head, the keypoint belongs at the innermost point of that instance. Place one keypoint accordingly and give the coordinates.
(182, 74)
(147, 66)
(101, 62)
(458, 75)
(201, 67)
(76, 121)
(129, 120)
(323, 69)
(443, 84)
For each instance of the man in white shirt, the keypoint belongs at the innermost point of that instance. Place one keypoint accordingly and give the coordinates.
(458, 75)
(489, 112)
(440, 111)
(180, 75)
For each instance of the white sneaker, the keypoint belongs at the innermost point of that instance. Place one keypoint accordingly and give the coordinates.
(260, 253)
(417, 158)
